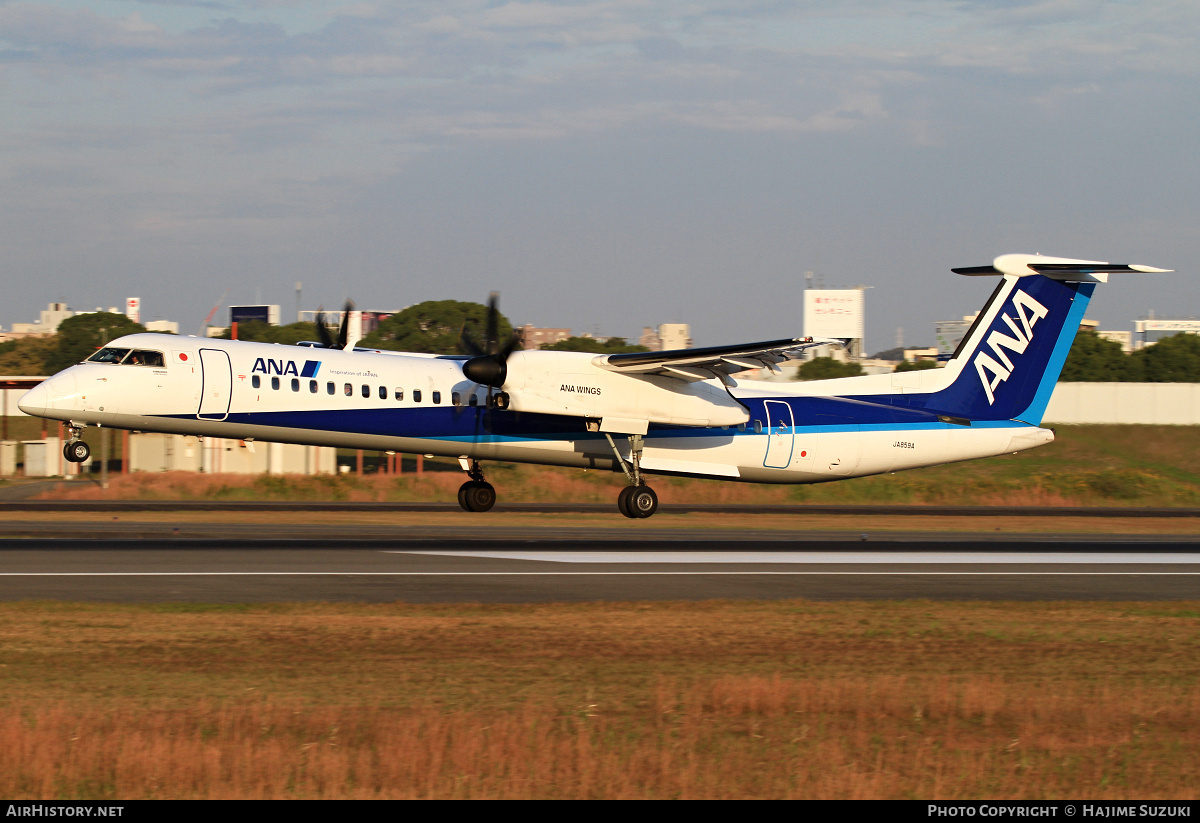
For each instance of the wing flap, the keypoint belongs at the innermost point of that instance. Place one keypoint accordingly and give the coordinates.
(713, 362)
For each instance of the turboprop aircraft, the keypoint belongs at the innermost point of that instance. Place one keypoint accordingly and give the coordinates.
(682, 412)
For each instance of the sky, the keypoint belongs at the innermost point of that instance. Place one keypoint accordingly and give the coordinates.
(604, 166)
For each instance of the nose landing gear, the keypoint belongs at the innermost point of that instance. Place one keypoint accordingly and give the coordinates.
(75, 450)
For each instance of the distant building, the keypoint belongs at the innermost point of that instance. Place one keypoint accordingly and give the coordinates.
(949, 333)
(1124, 338)
(533, 337)
(164, 326)
(369, 320)
(1152, 329)
(914, 355)
(835, 313)
(667, 337)
(261, 313)
(54, 314)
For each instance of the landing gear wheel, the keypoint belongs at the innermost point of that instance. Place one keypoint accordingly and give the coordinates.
(637, 501)
(623, 501)
(77, 452)
(484, 497)
(463, 491)
(643, 502)
(477, 496)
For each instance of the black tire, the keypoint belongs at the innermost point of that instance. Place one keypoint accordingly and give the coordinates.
(77, 452)
(464, 495)
(482, 497)
(643, 502)
(623, 501)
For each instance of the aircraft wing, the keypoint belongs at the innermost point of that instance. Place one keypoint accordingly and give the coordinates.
(715, 361)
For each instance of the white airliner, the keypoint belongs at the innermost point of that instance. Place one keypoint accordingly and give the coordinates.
(673, 412)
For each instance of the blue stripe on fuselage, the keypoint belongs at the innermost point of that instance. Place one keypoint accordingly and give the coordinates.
(471, 424)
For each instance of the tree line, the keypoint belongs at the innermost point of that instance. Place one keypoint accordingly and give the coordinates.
(433, 327)
(1174, 359)
(1092, 359)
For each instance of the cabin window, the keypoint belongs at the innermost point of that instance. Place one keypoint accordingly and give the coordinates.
(399, 394)
(349, 390)
(312, 386)
(256, 381)
(330, 388)
(758, 427)
(383, 392)
(416, 395)
(295, 384)
(456, 398)
(437, 397)
(366, 390)
(473, 400)
(275, 383)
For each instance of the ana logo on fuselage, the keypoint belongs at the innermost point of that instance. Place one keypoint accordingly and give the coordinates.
(1029, 311)
(268, 365)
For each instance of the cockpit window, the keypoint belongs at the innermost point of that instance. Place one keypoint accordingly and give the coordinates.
(107, 355)
(134, 357)
(139, 357)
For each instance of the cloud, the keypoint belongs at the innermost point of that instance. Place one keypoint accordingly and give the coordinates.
(265, 123)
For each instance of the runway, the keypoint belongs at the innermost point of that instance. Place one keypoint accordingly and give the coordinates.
(526, 566)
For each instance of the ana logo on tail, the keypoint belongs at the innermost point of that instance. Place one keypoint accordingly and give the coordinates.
(1029, 311)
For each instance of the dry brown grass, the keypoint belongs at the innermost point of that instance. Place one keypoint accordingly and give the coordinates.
(697, 700)
(725, 737)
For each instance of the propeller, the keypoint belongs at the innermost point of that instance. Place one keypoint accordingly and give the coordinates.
(487, 366)
(343, 336)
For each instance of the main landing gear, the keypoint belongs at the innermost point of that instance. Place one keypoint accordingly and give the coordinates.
(637, 499)
(75, 450)
(476, 495)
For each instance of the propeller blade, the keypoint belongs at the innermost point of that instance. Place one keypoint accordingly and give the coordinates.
(323, 330)
(468, 342)
(492, 334)
(514, 343)
(487, 366)
(344, 329)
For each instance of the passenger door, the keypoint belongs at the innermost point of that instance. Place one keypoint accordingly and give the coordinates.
(781, 436)
(217, 384)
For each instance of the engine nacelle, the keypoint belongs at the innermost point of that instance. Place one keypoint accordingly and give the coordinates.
(568, 383)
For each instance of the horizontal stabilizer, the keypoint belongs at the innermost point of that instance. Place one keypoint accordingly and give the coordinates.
(1056, 268)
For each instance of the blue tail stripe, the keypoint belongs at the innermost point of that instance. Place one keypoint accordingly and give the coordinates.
(1041, 399)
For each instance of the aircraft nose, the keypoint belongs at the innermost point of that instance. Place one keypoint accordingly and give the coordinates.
(35, 400)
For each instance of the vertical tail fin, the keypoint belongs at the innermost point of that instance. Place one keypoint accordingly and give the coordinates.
(1010, 360)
